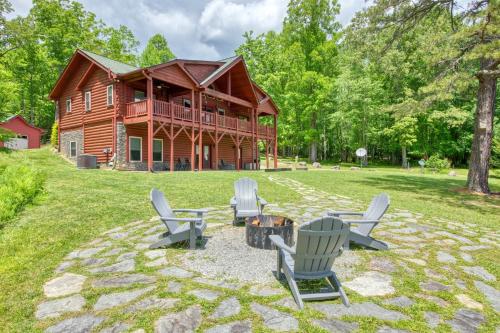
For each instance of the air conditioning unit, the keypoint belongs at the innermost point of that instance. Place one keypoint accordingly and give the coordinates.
(86, 161)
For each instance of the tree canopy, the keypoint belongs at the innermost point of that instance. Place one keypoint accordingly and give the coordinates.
(156, 52)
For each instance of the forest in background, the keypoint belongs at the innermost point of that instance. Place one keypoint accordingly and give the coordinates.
(400, 80)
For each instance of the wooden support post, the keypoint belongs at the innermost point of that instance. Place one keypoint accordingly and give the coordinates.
(149, 105)
(193, 110)
(275, 141)
(252, 118)
(172, 167)
(257, 138)
(267, 154)
(238, 157)
(216, 140)
(200, 140)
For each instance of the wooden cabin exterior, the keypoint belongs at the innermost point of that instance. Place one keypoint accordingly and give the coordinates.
(180, 115)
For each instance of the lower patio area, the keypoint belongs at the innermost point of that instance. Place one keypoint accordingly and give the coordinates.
(429, 280)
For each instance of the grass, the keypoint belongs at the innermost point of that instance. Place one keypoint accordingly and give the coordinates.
(78, 205)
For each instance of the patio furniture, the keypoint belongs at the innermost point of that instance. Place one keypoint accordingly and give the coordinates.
(191, 229)
(246, 202)
(178, 165)
(187, 164)
(319, 243)
(366, 223)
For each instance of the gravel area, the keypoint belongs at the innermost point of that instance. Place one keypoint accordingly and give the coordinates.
(227, 256)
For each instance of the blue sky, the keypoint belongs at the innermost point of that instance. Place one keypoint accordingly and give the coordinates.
(195, 29)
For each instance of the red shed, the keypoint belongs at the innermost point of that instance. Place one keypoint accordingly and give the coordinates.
(28, 136)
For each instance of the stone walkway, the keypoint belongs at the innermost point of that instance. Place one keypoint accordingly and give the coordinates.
(429, 279)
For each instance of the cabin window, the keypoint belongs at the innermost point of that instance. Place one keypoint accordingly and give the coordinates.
(157, 150)
(135, 147)
(208, 109)
(68, 105)
(186, 102)
(109, 95)
(221, 111)
(72, 149)
(88, 100)
(139, 95)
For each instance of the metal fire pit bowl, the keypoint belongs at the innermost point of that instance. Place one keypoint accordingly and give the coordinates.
(259, 228)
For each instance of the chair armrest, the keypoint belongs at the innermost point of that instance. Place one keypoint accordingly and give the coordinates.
(182, 219)
(345, 213)
(279, 242)
(361, 221)
(233, 202)
(262, 201)
(187, 210)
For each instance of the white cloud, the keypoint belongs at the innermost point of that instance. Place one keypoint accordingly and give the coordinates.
(195, 29)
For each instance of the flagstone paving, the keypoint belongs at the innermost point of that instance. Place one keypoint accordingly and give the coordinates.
(430, 279)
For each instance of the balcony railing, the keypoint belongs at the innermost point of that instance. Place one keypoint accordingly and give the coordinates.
(181, 113)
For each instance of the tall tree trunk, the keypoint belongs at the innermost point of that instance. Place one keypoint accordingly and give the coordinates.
(313, 147)
(403, 157)
(477, 178)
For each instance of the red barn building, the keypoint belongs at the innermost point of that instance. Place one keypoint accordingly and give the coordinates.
(179, 115)
(28, 136)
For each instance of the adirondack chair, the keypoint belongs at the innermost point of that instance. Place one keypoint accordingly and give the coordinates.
(369, 219)
(246, 202)
(319, 243)
(191, 229)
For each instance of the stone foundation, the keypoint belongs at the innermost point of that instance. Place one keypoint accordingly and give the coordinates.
(68, 136)
(143, 166)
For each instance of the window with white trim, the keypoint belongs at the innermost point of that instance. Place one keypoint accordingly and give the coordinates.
(88, 100)
(221, 111)
(186, 102)
(157, 150)
(72, 149)
(139, 96)
(135, 148)
(68, 105)
(109, 95)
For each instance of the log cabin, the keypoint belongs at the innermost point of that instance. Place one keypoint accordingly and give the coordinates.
(179, 115)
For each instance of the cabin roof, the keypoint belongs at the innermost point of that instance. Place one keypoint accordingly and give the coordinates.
(116, 67)
(227, 63)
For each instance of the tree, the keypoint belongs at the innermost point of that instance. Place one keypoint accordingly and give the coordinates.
(156, 52)
(474, 38)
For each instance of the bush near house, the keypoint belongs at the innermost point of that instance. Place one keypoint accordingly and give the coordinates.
(6, 135)
(19, 185)
(54, 139)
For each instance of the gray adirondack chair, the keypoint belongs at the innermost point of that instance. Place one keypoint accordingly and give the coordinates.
(191, 229)
(366, 223)
(319, 242)
(246, 202)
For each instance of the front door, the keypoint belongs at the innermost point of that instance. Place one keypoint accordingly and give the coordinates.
(206, 156)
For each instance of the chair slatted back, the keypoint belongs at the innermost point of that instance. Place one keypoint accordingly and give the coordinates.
(318, 244)
(160, 204)
(375, 211)
(245, 192)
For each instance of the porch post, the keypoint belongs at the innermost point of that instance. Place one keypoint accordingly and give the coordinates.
(217, 140)
(267, 153)
(200, 141)
(238, 157)
(172, 167)
(256, 120)
(149, 105)
(192, 130)
(253, 161)
(275, 141)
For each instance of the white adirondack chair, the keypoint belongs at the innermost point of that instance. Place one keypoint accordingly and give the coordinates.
(191, 229)
(366, 223)
(246, 202)
(319, 242)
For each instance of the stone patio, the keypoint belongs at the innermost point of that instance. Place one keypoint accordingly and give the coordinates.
(428, 280)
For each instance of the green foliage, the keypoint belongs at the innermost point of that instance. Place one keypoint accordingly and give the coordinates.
(6, 134)
(156, 52)
(54, 134)
(19, 184)
(437, 163)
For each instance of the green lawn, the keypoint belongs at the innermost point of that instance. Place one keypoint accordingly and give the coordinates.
(78, 205)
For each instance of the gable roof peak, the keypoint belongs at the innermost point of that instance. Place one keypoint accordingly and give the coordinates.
(114, 66)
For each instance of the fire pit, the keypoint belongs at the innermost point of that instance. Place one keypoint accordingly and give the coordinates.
(259, 228)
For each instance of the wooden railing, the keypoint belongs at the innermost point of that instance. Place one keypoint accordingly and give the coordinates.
(136, 109)
(181, 113)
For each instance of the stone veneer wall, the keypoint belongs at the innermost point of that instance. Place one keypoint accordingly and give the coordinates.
(121, 153)
(67, 137)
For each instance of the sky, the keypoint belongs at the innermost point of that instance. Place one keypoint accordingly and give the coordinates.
(195, 29)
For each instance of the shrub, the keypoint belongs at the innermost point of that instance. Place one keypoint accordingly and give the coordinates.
(6, 135)
(19, 185)
(438, 163)
(54, 139)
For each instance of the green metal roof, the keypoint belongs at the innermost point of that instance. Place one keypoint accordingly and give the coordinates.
(116, 67)
(227, 62)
